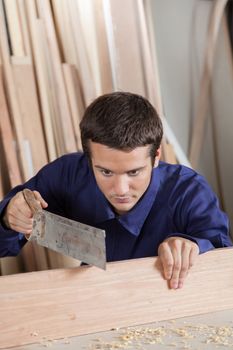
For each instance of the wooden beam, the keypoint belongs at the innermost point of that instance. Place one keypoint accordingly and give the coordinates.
(85, 70)
(75, 97)
(1, 170)
(57, 79)
(35, 29)
(122, 29)
(64, 29)
(11, 93)
(24, 27)
(14, 174)
(102, 48)
(25, 85)
(7, 137)
(198, 130)
(14, 28)
(70, 302)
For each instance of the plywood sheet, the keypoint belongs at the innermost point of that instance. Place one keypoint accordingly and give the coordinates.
(71, 302)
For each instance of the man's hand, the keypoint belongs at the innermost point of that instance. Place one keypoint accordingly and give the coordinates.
(177, 256)
(18, 215)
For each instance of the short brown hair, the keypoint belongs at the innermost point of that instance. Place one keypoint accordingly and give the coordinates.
(121, 120)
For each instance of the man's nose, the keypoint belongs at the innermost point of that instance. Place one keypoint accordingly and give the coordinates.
(121, 186)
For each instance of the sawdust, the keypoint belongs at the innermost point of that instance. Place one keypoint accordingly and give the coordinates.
(139, 337)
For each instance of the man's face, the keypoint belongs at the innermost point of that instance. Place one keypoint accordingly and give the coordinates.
(122, 176)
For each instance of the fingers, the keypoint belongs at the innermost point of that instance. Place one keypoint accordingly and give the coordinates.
(39, 198)
(166, 259)
(177, 255)
(18, 215)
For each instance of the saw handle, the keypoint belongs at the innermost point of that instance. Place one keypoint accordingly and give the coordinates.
(31, 200)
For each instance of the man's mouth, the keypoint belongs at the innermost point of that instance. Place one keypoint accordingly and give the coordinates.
(122, 199)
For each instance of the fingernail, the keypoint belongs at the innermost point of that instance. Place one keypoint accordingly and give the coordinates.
(174, 285)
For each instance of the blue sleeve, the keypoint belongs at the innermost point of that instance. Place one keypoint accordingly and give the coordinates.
(198, 216)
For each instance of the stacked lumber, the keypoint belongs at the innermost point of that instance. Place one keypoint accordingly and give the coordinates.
(56, 56)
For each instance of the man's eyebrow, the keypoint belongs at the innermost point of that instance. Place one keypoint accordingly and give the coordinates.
(128, 171)
(136, 169)
(101, 167)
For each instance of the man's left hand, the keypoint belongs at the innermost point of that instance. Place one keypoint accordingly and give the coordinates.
(177, 256)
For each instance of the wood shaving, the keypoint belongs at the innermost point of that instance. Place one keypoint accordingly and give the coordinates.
(34, 334)
(137, 337)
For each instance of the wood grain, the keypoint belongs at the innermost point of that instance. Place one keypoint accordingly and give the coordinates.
(12, 96)
(198, 130)
(36, 34)
(75, 97)
(61, 104)
(125, 63)
(25, 85)
(7, 138)
(14, 28)
(71, 302)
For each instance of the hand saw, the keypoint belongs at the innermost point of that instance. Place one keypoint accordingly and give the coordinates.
(83, 242)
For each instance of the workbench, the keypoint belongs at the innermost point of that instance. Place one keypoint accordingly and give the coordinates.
(209, 331)
(88, 308)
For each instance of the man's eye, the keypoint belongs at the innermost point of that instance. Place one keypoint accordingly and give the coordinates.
(106, 172)
(133, 172)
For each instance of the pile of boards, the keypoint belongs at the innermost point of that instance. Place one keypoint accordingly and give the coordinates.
(56, 56)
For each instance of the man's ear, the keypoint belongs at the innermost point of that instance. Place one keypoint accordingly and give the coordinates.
(157, 157)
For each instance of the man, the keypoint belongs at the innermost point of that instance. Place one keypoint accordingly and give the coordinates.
(118, 184)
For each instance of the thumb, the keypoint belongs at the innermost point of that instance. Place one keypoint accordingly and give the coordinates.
(40, 199)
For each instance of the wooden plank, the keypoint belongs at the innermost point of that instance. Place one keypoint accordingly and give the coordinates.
(42, 77)
(29, 253)
(12, 171)
(148, 30)
(86, 12)
(58, 87)
(168, 154)
(85, 71)
(71, 302)
(198, 129)
(102, 48)
(150, 68)
(59, 261)
(2, 156)
(151, 72)
(75, 97)
(66, 35)
(14, 28)
(15, 111)
(122, 29)
(29, 106)
(24, 27)
(201, 332)
(11, 265)
(1, 186)
(8, 139)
